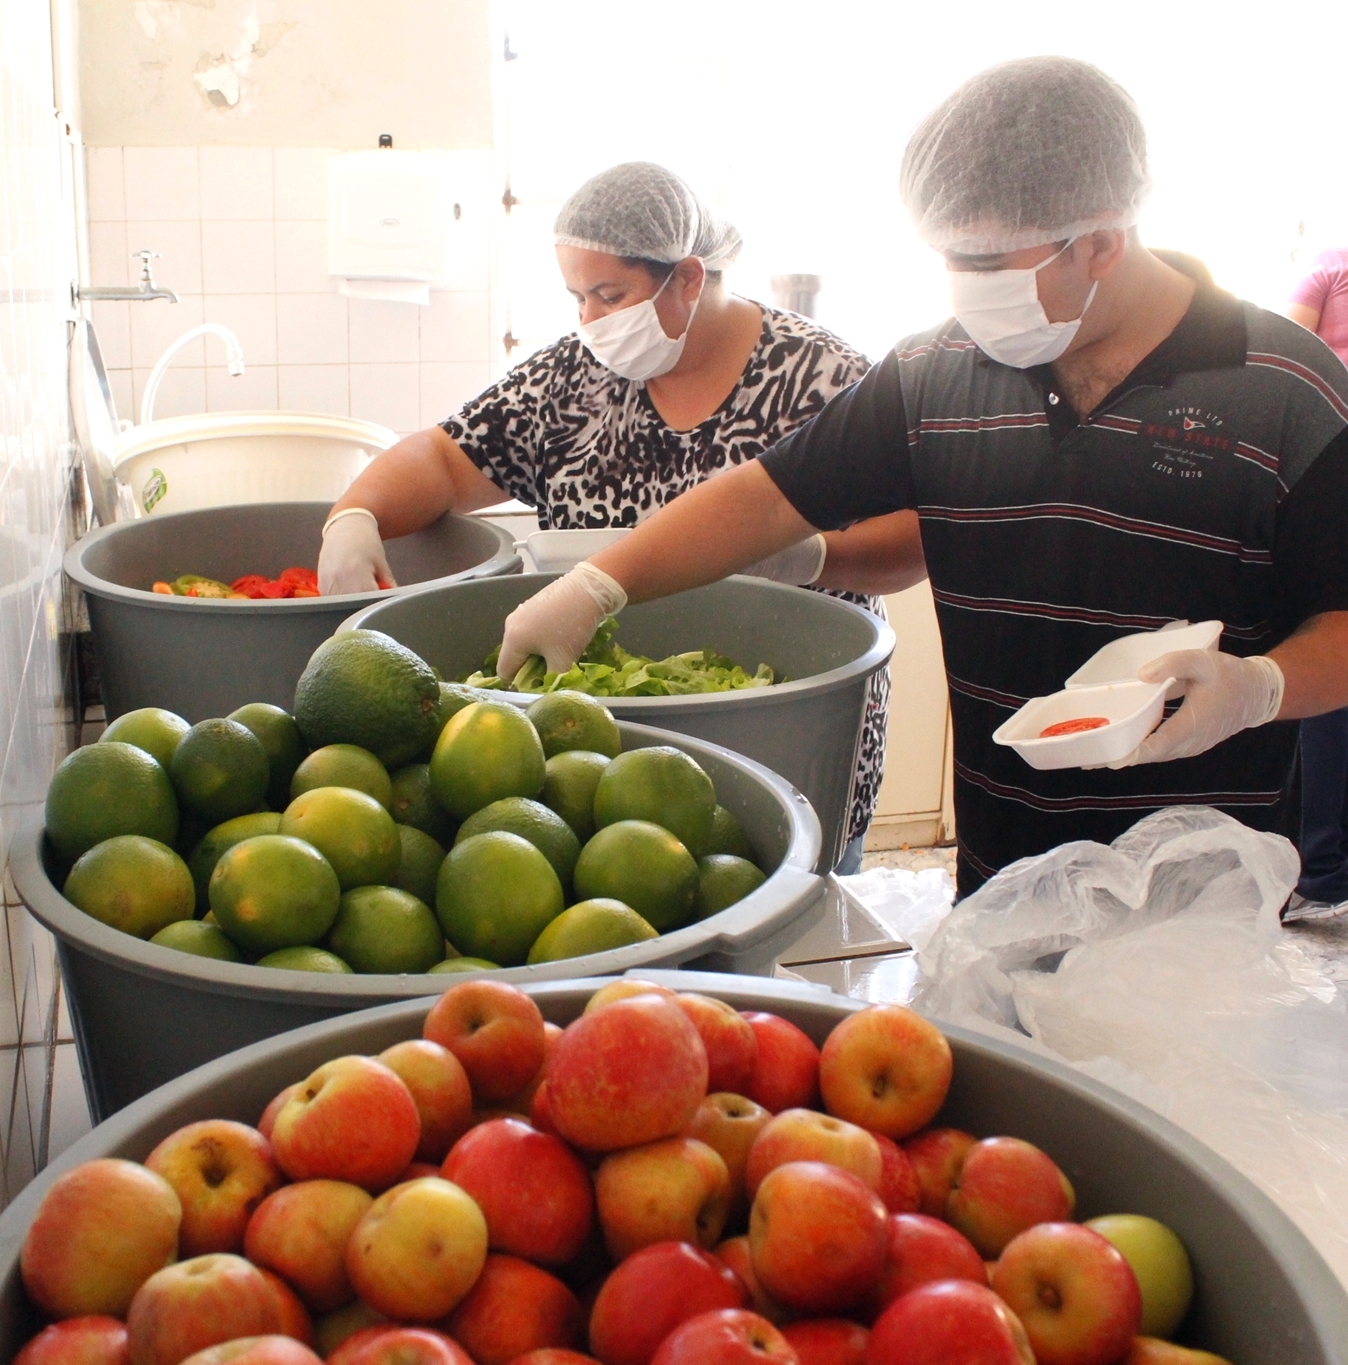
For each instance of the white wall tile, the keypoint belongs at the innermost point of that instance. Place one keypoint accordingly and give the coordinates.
(315, 388)
(108, 254)
(105, 183)
(447, 385)
(69, 1109)
(156, 326)
(161, 183)
(252, 318)
(182, 393)
(252, 391)
(112, 326)
(302, 258)
(238, 257)
(389, 394)
(302, 182)
(311, 329)
(457, 326)
(236, 182)
(179, 246)
(383, 332)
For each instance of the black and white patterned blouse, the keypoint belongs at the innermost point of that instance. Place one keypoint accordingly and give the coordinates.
(587, 448)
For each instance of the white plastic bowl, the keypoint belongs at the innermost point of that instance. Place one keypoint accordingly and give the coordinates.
(1119, 660)
(558, 551)
(1133, 710)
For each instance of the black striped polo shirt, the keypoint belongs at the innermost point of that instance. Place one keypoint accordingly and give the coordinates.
(1212, 483)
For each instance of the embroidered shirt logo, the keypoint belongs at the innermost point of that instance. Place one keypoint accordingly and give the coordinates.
(1185, 441)
(1192, 424)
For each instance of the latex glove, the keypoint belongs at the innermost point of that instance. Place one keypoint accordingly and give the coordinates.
(352, 557)
(559, 621)
(801, 563)
(1223, 695)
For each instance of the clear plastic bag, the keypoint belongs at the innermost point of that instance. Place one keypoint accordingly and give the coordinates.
(909, 904)
(1158, 965)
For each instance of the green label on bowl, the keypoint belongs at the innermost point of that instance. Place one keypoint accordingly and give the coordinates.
(155, 488)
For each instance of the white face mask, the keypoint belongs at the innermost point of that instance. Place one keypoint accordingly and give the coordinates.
(1000, 310)
(632, 343)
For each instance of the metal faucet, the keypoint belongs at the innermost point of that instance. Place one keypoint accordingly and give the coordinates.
(147, 290)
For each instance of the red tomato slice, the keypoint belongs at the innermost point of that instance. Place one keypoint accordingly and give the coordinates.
(302, 577)
(1073, 727)
(251, 584)
(277, 589)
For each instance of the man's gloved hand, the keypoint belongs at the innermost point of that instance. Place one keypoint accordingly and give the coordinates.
(352, 557)
(1222, 696)
(559, 621)
(801, 563)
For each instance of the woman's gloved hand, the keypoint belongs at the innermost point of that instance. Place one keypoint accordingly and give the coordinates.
(801, 563)
(1222, 696)
(352, 557)
(559, 621)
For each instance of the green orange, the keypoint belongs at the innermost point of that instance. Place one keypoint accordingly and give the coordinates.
(134, 884)
(108, 789)
(351, 830)
(645, 867)
(274, 891)
(487, 751)
(660, 784)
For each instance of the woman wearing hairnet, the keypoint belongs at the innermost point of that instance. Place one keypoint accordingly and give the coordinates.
(668, 379)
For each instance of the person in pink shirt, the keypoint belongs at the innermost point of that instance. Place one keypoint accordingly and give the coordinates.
(1320, 302)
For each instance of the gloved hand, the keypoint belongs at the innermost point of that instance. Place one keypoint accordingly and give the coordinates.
(352, 557)
(1222, 696)
(559, 621)
(801, 563)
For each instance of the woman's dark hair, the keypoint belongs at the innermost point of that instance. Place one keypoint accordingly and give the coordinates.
(660, 271)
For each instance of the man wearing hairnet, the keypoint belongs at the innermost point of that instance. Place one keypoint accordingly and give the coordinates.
(669, 379)
(1097, 443)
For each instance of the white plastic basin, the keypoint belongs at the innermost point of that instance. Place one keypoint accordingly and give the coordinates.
(1132, 709)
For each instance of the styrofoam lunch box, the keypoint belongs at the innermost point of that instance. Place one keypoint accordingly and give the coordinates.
(1120, 660)
(1133, 710)
(558, 551)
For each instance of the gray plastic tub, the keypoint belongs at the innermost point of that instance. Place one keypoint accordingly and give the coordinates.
(1264, 1296)
(808, 729)
(144, 1014)
(205, 658)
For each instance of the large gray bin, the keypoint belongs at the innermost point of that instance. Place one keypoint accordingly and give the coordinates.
(205, 658)
(807, 729)
(143, 1014)
(1264, 1296)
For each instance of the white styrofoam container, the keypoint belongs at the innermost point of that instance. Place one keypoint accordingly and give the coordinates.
(1120, 660)
(1133, 710)
(558, 551)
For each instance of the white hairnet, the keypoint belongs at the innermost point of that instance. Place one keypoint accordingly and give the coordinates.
(1025, 153)
(640, 209)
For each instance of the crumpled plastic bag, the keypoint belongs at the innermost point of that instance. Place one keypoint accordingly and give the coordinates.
(909, 904)
(1158, 966)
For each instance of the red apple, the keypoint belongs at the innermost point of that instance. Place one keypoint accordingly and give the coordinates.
(301, 1233)
(399, 1346)
(440, 1090)
(817, 1236)
(551, 1356)
(203, 1302)
(947, 1322)
(1005, 1186)
(295, 1319)
(732, 1046)
(1152, 1351)
(828, 1341)
(786, 1072)
(729, 1124)
(729, 1336)
(495, 1030)
(1073, 1290)
(268, 1120)
(675, 1190)
(922, 1250)
(524, 1100)
(623, 989)
(734, 1251)
(632, 1072)
(220, 1171)
(533, 1190)
(540, 1115)
(899, 1187)
(264, 1350)
(331, 1330)
(352, 1120)
(937, 1155)
(651, 1293)
(93, 1340)
(101, 1231)
(886, 1069)
(806, 1135)
(418, 1250)
(515, 1307)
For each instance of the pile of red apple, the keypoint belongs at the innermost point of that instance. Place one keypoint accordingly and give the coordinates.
(403, 1210)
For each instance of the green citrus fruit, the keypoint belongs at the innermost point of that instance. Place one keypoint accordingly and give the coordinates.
(487, 751)
(418, 863)
(728, 836)
(380, 929)
(199, 938)
(305, 959)
(660, 784)
(568, 788)
(495, 895)
(594, 926)
(351, 830)
(531, 820)
(363, 687)
(343, 765)
(453, 698)
(724, 879)
(414, 803)
(203, 858)
(464, 964)
(135, 884)
(645, 867)
(273, 891)
(150, 728)
(572, 720)
(280, 737)
(108, 789)
(220, 770)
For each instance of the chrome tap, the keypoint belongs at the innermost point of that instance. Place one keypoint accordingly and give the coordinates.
(148, 289)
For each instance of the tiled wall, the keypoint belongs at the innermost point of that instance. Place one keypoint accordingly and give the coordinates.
(242, 237)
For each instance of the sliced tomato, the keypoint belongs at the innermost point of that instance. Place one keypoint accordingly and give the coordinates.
(302, 591)
(301, 577)
(276, 590)
(251, 584)
(1074, 727)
